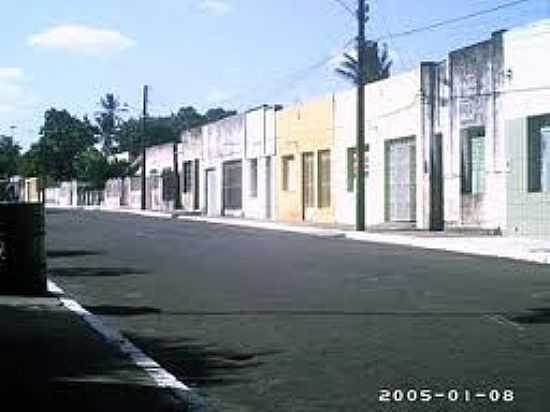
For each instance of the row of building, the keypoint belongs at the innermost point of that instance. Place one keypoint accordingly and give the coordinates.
(458, 143)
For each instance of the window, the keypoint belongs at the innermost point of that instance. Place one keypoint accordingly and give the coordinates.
(288, 174)
(232, 185)
(308, 182)
(253, 177)
(538, 153)
(352, 167)
(324, 178)
(187, 177)
(473, 160)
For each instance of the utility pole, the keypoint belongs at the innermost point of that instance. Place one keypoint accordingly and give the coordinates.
(360, 192)
(143, 147)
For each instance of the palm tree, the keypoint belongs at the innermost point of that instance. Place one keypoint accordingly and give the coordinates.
(377, 64)
(108, 120)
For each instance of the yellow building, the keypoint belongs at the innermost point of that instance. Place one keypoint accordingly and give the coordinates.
(305, 136)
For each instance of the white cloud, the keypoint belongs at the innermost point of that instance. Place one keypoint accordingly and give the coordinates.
(217, 96)
(81, 39)
(214, 6)
(10, 73)
(13, 95)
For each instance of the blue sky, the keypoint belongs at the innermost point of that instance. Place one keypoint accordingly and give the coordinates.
(239, 53)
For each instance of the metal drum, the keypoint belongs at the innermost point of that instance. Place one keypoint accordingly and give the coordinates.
(22, 249)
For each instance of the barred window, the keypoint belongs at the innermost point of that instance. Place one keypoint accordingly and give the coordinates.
(324, 178)
(288, 174)
(538, 153)
(253, 177)
(187, 176)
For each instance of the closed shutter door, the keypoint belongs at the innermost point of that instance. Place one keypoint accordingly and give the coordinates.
(232, 185)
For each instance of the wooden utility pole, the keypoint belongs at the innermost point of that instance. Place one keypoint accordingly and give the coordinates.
(361, 43)
(143, 147)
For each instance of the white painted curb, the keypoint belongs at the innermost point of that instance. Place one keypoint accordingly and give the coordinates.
(160, 376)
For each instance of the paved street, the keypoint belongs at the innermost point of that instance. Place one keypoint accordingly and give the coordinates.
(268, 321)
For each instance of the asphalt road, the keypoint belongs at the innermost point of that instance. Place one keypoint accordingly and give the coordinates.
(271, 321)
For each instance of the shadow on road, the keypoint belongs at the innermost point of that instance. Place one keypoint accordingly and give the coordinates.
(536, 315)
(94, 271)
(110, 310)
(52, 254)
(200, 365)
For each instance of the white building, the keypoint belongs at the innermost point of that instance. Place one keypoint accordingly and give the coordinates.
(161, 183)
(221, 179)
(399, 163)
(259, 165)
(190, 169)
(526, 140)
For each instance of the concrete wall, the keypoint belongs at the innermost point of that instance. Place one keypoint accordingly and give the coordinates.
(260, 146)
(223, 141)
(476, 76)
(307, 127)
(158, 159)
(191, 150)
(527, 81)
(393, 111)
(113, 193)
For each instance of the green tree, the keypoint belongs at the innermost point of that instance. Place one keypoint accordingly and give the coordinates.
(92, 167)
(377, 64)
(165, 129)
(217, 113)
(63, 139)
(10, 154)
(30, 164)
(108, 120)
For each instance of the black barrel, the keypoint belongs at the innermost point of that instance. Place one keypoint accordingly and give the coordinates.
(22, 249)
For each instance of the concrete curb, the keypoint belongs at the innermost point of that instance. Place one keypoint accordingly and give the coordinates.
(521, 249)
(111, 336)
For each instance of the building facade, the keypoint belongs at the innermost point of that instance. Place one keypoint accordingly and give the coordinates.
(161, 186)
(400, 167)
(259, 163)
(526, 92)
(190, 169)
(304, 144)
(221, 179)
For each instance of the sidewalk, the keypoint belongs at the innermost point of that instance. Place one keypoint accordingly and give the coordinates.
(52, 360)
(523, 249)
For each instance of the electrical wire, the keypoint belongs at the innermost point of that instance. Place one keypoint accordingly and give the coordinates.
(346, 7)
(447, 22)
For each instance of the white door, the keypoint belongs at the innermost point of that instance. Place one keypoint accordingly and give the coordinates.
(401, 174)
(211, 193)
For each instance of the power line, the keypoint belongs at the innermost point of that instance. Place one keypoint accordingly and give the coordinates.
(290, 79)
(346, 7)
(452, 20)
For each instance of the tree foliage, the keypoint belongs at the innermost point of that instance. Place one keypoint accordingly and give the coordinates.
(377, 64)
(10, 154)
(108, 120)
(63, 139)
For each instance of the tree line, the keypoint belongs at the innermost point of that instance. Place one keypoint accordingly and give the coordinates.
(70, 147)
